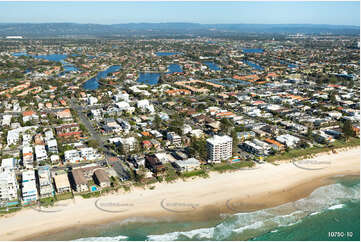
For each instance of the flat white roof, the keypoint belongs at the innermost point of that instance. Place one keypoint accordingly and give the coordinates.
(216, 140)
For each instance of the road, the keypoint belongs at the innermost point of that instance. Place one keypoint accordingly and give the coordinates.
(110, 157)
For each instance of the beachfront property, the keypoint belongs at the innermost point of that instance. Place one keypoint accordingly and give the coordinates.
(179, 122)
(101, 178)
(79, 182)
(8, 185)
(219, 148)
(61, 182)
(189, 164)
(28, 187)
(46, 188)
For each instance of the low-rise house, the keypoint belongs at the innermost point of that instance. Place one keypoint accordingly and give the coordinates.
(174, 138)
(40, 153)
(289, 140)
(68, 130)
(80, 183)
(275, 145)
(61, 182)
(72, 156)
(188, 164)
(29, 116)
(52, 146)
(322, 137)
(88, 153)
(96, 114)
(153, 164)
(64, 114)
(10, 163)
(101, 178)
(28, 157)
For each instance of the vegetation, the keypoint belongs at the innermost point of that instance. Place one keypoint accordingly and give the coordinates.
(303, 153)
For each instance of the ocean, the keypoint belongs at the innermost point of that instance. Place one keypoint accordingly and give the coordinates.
(330, 212)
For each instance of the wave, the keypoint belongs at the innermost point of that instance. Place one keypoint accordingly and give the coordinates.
(197, 234)
(336, 207)
(115, 238)
(247, 225)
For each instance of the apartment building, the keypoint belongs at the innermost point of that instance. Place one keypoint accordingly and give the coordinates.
(45, 182)
(219, 148)
(8, 185)
(29, 190)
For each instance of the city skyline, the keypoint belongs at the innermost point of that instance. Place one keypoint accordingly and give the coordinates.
(332, 13)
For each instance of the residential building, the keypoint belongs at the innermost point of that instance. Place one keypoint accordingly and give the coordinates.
(101, 178)
(10, 163)
(8, 185)
(45, 182)
(188, 164)
(28, 157)
(72, 156)
(52, 146)
(40, 153)
(88, 153)
(61, 182)
(80, 183)
(219, 148)
(174, 138)
(29, 190)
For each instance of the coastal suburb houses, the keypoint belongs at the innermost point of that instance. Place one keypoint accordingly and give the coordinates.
(168, 109)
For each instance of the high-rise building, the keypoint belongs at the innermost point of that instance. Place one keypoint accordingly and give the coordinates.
(219, 148)
(8, 185)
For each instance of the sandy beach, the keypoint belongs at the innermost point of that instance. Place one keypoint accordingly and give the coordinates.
(244, 190)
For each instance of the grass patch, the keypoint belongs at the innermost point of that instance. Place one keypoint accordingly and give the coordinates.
(90, 194)
(223, 167)
(64, 196)
(201, 173)
(11, 209)
(48, 201)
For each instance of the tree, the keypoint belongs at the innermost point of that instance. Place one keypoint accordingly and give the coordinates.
(347, 129)
(226, 124)
(157, 122)
(235, 139)
(93, 143)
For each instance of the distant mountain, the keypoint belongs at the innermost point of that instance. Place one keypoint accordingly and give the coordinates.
(32, 30)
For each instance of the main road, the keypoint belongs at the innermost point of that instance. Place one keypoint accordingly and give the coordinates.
(110, 157)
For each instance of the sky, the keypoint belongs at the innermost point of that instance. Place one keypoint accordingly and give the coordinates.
(336, 13)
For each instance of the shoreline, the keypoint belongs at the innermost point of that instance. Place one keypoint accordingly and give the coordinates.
(195, 199)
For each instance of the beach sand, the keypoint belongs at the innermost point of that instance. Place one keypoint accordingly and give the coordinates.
(195, 199)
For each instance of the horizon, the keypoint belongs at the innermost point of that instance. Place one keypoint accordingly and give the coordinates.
(110, 13)
(176, 23)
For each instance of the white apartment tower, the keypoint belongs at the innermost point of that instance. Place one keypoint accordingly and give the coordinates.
(219, 148)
